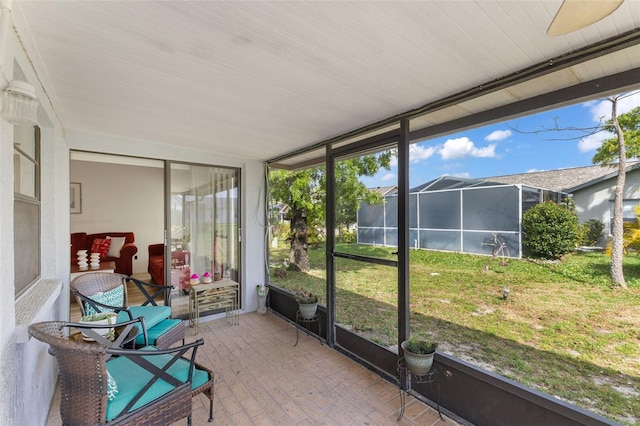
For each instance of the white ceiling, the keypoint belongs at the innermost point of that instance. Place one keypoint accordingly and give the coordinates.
(258, 79)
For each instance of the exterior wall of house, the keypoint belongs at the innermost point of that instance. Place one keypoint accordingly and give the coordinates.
(593, 202)
(28, 374)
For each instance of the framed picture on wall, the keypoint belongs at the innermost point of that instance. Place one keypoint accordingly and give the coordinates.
(75, 198)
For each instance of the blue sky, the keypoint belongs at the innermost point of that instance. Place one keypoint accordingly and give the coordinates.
(498, 149)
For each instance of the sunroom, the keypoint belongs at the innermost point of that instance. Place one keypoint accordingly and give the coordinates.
(261, 86)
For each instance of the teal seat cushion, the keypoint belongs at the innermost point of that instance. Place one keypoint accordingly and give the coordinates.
(159, 330)
(153, 315)
(131, 378)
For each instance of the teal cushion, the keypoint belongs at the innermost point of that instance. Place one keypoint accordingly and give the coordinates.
(153, 315)
(130, 378)
(113, 297)
(159, 330)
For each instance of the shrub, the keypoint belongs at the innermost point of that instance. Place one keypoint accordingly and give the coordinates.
(550, 230)
(347, 236)
(590, 232)
(282, 231)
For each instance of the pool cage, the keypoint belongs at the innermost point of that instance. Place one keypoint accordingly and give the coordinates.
(455, 214)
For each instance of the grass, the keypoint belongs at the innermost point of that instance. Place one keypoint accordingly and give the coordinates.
(563, 329)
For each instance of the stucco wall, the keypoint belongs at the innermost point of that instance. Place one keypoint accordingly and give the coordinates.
(27, 371)
(593, 202)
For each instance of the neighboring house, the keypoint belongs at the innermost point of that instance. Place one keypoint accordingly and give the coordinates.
(592, 189)
(455, 214)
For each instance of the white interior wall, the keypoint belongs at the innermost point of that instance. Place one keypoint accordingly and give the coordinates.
(121, 198)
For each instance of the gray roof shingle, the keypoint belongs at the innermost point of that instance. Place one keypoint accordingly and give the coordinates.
(563, 180)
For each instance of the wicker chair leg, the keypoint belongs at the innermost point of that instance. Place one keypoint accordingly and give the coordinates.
(189, 420)
(211, 410)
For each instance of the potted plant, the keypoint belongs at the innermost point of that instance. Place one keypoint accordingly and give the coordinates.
(418, 355)
(307, 303)
(102, 318)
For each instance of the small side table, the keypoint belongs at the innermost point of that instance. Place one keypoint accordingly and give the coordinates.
(118, 341)
(216, 295)
(305, 322)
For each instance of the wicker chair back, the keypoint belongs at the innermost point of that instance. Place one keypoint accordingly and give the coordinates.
(97, 282)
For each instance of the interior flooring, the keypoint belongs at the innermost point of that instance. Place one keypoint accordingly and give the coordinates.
(261, 378)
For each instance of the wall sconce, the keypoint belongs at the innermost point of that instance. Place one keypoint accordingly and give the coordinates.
(20, 103)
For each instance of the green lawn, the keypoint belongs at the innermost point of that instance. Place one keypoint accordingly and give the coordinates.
(563, 330)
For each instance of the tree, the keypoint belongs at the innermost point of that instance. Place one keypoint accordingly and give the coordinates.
(304, 192)
(614, 152)
(624, 145)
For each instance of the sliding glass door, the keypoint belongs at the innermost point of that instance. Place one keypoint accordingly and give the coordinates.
(204, 228)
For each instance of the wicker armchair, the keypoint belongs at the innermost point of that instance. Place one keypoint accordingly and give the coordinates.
(154, 387)
(88, 285)
(107, 292)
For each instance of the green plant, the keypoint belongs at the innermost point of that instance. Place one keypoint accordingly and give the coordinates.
(98, 317)
(590, 232)
(521, 339)
(347, 236)
(282, 230)
(423, 347)
(305, 297)
(550, 230)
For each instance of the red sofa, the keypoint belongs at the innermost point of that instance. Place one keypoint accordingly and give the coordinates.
(179, 266)
(124, 263)
(156, 263)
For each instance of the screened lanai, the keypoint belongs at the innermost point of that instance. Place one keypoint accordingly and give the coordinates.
(455, 214)
(292, 85)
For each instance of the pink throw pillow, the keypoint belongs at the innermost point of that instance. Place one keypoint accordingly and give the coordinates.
(101, 246)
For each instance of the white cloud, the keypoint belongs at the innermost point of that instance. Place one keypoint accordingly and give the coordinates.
(533, 170)
(497, 135)
(388, 177)
(593, 142)
(601, 110)
(464, 175)
(418, 152)
(463, 147)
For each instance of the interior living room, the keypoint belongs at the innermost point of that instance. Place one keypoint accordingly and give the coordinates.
(156, 123)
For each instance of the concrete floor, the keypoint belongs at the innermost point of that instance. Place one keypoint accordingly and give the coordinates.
(262, 379)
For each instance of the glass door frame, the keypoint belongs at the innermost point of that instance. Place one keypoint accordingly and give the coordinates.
(235, 254)
(399, 138)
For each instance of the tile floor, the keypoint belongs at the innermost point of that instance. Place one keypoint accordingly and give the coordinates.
(262, 379)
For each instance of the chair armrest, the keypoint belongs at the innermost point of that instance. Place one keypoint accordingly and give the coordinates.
(128, 250)
(155, 289)
(97, 306)
(124, 332)
(156, 249)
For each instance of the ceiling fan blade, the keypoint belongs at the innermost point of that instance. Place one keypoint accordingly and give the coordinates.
(576, 14)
